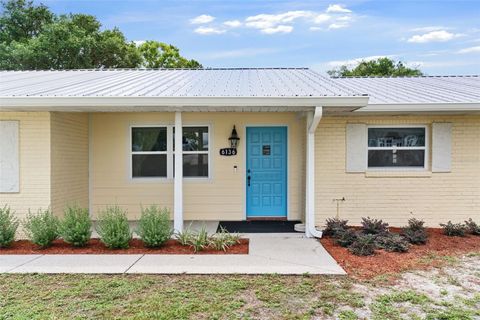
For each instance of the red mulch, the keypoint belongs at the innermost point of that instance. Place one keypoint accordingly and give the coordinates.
(95, 246)
(418, 257)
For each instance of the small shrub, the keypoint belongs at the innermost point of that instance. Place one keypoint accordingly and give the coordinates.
(154, 226)
(346, 238)
(415, 232)
(42, 228)
(8, 226)
(223, 240)
(392, 242)
(184, 237)
(374, 226)
(364, 245)
(76, 226)
(454, 229)
(199, 241)
(472, 227)
(113, 228)
(333, 226)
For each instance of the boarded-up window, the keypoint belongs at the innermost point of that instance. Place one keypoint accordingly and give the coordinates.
(9, 158)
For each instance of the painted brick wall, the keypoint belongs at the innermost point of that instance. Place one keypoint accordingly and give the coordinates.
(393, 196)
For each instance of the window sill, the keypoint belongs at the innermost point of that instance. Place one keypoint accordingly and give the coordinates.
(398, 174)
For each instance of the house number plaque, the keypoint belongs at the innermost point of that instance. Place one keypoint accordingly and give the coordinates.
(228, 152)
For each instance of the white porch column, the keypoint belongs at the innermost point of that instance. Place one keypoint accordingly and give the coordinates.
(313, 120)
(178, 181)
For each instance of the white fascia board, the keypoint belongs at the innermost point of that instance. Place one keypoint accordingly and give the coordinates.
(56, 103)
(420, 107)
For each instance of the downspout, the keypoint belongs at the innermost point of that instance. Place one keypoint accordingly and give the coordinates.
(313, 119)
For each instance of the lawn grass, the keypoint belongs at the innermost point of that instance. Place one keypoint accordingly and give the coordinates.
(35, 296)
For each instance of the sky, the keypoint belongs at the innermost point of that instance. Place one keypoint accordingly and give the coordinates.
(440, 37)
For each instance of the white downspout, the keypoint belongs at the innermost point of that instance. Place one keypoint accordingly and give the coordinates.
(313, 119)
(178, 180)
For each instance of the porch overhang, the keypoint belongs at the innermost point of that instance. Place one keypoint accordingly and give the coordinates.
(187, 104)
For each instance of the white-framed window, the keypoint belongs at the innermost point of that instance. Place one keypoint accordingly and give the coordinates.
(397, 147)
(152, 151)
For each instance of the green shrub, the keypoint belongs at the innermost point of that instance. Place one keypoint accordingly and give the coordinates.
(154, 226)
(472, 227)
(333, 226)
(42, 228)
(392, 242)
(374, 226)
(364, 245)
(8, 226)
(454, 229)
(415, 232)
(76, 226)
(200, 240)
(184, 237)
(223, 240)
(346, 237)
(113, 228)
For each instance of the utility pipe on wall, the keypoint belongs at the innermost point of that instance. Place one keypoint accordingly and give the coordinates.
(313, 119)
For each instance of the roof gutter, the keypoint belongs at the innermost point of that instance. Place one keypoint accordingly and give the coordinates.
(421, 107)
(56, 103)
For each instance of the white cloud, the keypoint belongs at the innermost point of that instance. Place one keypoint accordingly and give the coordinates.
(208, 30)
(315, 28)
(263, 21)
(322, 18)
(429, 29)
(202, 19)
(469, 50)
(233, 23)
(345, 18)
(338, 26)
(337, 8)
(355, 61)
(277, 29)
(434, 36)
(139, 42)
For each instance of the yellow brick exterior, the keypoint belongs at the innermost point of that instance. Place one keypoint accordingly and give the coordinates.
(397, 196)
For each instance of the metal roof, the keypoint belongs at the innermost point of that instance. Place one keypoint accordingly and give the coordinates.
(227, 82)
(415, 90)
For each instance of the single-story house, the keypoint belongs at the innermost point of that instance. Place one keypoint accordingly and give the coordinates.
(263, 143)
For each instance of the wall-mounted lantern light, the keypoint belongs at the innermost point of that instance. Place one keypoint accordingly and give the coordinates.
(234, 138)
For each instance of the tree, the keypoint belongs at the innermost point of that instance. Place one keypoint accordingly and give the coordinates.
(32, 37)
(161, 55)
(379, 67)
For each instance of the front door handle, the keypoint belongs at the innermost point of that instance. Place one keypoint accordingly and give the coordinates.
(248, 180)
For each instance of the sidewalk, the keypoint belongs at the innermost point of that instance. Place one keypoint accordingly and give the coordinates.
(269, 253)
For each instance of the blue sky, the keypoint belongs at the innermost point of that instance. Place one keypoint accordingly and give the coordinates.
(441, 37)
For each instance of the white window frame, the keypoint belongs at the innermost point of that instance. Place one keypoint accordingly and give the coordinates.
(169, 152)
(426, 148)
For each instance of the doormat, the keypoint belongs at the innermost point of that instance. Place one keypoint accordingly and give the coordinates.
(258, 226)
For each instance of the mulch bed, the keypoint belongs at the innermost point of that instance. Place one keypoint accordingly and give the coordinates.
(418, 257)
(95, 246)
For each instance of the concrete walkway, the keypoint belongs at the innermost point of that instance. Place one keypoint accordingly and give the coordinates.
(269, 253)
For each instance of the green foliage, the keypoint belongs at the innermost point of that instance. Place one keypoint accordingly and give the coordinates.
(347, 315)
(42, 228)
(374, 226)
(32, 37)
(384, 67)
(223, 240)
(76, 226)
(333, 226)
(154, 226)
(454, 229)
(364, 245)
(162, 55)
(113, 228)
(415, 232)
(200, 240)
(392, 242)
(184, 237)
(346, 237)
(8, 226)
(472, 227)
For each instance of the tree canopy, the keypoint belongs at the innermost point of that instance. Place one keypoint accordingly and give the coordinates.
(379, 67)
(32, 37)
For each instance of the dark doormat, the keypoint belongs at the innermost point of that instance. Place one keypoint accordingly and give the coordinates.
(258, 226)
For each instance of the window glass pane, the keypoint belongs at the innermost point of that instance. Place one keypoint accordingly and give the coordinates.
(398, 158)
(194, 165)
(396, 137)
(149, 165)
(194, 139)
(149, 139)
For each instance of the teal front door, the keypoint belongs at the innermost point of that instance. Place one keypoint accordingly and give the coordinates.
(266, 172)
